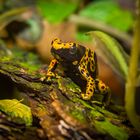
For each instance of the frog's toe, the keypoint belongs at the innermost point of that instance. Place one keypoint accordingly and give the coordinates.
(85, 96)
(43, 78)
(50, 74)
(49, 79)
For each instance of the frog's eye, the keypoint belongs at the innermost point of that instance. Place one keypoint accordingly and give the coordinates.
(73, 49)
(70, 44)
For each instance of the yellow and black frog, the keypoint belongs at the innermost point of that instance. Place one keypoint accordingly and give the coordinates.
(80, 64)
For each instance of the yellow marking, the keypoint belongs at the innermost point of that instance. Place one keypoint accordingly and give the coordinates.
(92, 62)
(92, 65)
(89, 89)
(104, 89)
(75, 62)
(84, 60)
(90, 81)
(84, 57)
(56, 44)
(50, 72)
(101, 86)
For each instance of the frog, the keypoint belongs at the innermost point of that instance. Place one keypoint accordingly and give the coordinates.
(79, 63)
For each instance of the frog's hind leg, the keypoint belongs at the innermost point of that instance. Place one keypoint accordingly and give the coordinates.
(105, 90)
(90, 88)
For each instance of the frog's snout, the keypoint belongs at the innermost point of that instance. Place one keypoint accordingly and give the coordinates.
(55, 41)
(58, 45)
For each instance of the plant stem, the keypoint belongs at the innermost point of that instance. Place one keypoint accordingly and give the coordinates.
(132, 75)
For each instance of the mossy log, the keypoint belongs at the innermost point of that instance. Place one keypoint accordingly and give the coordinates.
(58, 111)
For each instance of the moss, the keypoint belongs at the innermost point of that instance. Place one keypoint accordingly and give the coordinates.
(106, 127)
(36, 86)
(100, 119)
(67, 85)
(78, 114)
(5, 59)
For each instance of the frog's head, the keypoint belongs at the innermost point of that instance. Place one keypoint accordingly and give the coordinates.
(64, 51)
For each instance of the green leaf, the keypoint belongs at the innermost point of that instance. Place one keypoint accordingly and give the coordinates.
(111, 51)
(56, 11)
(17, 111)
(109, 13)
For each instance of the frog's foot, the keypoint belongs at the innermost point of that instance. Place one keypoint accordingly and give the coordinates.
(49, 76)
(44, 78)
(107, 97)
(86, 96)
(50, 79)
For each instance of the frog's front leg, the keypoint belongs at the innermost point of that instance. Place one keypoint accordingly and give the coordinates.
(50, 72)
(90, 87)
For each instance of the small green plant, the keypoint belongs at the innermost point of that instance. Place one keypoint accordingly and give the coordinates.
(17, 111)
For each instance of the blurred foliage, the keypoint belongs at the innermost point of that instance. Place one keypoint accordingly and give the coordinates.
(8, 16)
(6, 5)
(32, 60)
(80, 36)
(33, 30)
(56, 11)
(109, 12)
(19, 18)
(17, 111)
